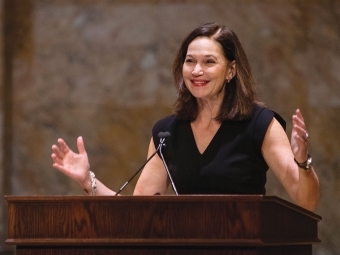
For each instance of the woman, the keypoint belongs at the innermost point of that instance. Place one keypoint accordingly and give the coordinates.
(222, 140)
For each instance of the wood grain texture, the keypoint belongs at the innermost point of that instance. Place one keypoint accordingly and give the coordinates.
(124, 224)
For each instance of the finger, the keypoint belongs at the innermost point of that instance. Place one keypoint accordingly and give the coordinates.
(300, 122)
(56, 159)
(301, 139)
(63, 146)
(298, 119)
(299, 114)
(80, 145)
(57, 152)
(300, 133)
(301, 149)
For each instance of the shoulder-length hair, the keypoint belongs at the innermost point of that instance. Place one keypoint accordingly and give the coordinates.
(240, 93)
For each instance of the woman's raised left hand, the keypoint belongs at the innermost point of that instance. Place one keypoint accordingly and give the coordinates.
(299, 137)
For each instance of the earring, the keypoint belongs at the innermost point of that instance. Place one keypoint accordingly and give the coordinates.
(227, 80)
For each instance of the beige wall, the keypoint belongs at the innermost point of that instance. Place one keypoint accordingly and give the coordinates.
(102, 69)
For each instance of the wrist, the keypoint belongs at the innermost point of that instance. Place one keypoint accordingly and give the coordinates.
(91, 187)
(306, 165)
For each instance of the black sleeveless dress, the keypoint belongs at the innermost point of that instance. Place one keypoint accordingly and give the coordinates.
(231, 164)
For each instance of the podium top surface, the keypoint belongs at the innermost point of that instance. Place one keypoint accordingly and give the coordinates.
(166, 199)
(204, 220)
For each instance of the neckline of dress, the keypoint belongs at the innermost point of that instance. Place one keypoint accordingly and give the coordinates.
(210, 144)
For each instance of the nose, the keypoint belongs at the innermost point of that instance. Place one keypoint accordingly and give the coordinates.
(197, 70)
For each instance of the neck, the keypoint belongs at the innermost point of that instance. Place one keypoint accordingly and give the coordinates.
(207, 112)
(208, 109)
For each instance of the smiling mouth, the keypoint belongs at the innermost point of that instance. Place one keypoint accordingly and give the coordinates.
(199, 83)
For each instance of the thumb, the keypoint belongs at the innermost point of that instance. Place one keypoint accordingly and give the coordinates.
(80, 145)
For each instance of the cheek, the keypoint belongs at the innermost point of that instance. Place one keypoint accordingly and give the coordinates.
(185, 71)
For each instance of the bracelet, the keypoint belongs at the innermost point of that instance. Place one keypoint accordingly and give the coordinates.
(93, 184)
(305, 165)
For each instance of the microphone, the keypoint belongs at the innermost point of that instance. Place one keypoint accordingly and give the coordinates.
(162, 136)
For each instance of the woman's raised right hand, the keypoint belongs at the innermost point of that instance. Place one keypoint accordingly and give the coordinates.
(74, 165)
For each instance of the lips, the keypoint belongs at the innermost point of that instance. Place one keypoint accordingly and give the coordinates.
(199, 83)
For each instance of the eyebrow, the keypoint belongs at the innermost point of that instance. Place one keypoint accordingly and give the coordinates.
(207, 56)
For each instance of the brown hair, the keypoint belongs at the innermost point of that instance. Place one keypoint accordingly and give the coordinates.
(240, 93)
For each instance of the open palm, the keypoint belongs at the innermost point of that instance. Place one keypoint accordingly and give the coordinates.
(74, 165)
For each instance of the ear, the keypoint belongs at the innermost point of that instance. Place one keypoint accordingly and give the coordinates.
(231, 70)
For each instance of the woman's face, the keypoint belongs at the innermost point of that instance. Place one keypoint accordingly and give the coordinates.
(206, 69)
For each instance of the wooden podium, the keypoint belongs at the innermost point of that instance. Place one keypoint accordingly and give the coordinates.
(159, 225)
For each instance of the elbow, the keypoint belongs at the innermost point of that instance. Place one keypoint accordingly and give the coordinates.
(308, 196)
(310, 204)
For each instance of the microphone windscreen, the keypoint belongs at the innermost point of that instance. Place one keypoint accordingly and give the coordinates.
(163, 134)
(166, 134)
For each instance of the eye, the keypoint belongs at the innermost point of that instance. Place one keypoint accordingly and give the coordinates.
(188, 60)
(210, 61)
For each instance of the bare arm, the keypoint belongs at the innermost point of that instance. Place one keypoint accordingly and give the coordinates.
(301, 185)
(154, 178)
